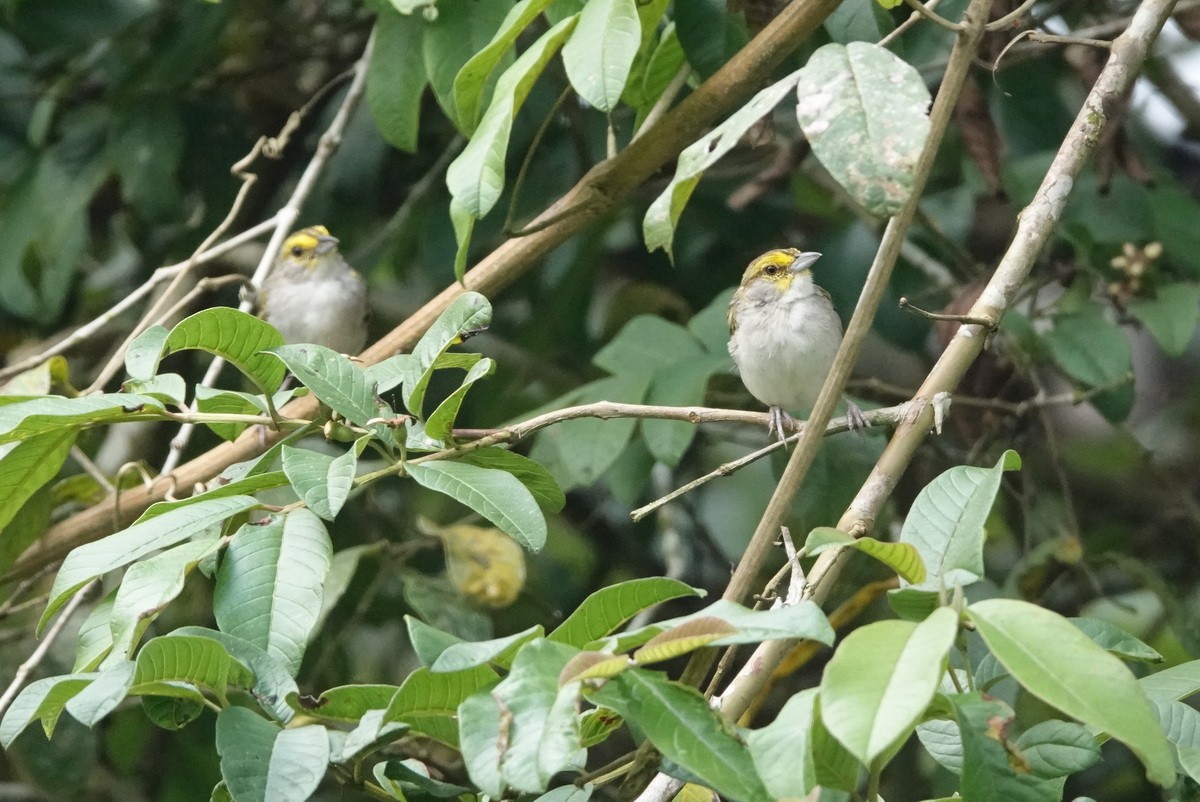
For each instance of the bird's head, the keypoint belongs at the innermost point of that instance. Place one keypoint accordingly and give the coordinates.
(309, 249)
(778, 269)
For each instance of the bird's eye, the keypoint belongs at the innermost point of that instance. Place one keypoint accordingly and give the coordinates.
(297, 251)
(771, 270)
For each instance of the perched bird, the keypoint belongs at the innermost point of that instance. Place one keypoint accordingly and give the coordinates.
(313, 296)
(784, 334)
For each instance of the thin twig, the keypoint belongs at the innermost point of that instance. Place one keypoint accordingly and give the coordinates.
(1010, 17)
(27, 667)
(87, 330)
(888, 415)
(523, 171)
(932, 16)
(665, 100)
(908, 23)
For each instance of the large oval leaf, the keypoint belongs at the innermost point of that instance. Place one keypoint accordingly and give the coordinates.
(235, 336)
(271, 582)
(601, 50)
(863, 110)
(1060, 665)
(496, 495)
(881, 679)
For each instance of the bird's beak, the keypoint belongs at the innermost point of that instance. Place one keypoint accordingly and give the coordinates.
(804, 261)
(327, 244)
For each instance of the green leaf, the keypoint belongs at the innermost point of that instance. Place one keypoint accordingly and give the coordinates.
(109, 553)
(1094, 352)
(174, 713)
(680, 723)
(1113, 639)
(346, 703)
(710, 33)
(27, 465)
(466, 314)
(462, 29)
(496, 495)
(589, 446)
(726, 623)
(273, 685)
(53, 413)
(1060, 665)
(606, 609)
(215, 400)
(537, 479)
(371, 734)
(428, 641)
(94, 640)
(658, 226)
(1171, 316)
(1172, 684)
(472, 78)
(992, 769)
(903, 558)
(540, 729)
(663, 64)
(412, 777)
(864, 111)
(1056, 748)
(43, 700)
(170, 388)
(396, 79)
(100, 698)
(169, 660)
(476, 177)
(147, 587)
(679, 385)
(321, 481)
(270, 583)
(946, 522)
(881, 679)
(859, 21)
(782, 750)
(464, 655)
(339, 383)
(259, 761)
(440, 422)
(143, 354)
(833, 764)
(428, 702)
(235, 336)
(337, 581)
(244, 486)
(601, 50)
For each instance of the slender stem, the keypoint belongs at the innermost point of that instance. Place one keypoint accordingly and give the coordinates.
(932, 16)
(519, 182)
(39, 654)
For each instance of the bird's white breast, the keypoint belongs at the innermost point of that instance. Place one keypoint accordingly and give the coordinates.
(784, 349)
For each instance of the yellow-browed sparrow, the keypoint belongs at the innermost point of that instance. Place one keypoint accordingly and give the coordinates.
(784, 334)
(313, 296)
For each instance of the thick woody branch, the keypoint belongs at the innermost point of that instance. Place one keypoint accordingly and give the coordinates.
(600, 190)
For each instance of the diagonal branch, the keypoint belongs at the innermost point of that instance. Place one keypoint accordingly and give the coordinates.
(599, 191)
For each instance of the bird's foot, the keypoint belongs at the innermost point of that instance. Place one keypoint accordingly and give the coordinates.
(779, 423)
(858, 420)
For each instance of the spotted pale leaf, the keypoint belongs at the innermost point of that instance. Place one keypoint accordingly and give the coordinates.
(865, 113)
